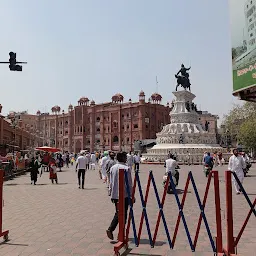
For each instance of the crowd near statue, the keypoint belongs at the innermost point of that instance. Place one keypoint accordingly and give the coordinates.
(183, 79)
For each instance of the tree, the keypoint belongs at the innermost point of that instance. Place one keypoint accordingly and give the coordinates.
(247, 134)
(236, 117)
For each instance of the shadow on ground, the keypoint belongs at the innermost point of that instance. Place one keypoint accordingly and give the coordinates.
(146, 241)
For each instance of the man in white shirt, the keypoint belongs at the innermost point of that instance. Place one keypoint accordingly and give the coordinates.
(103, 166)
(171, 165)
(93, 160)
(237, 164)
(88, 160)
(81, 166)
(114, 190)
(130, 160)
(137, 162)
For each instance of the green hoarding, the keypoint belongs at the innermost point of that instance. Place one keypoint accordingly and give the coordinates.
(243, 38)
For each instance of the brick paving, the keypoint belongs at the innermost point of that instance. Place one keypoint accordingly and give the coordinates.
(62, 220)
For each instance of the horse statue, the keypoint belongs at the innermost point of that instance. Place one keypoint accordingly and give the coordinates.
(183, 79)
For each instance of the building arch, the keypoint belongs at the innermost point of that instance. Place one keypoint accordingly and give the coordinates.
(115, 139)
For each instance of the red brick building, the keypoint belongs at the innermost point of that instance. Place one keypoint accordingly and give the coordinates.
(112, 125)
(13, 136)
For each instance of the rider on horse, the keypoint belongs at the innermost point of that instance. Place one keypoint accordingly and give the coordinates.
(183, 72)
(183, 80)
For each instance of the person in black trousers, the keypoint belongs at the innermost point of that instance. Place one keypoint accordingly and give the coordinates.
(81, 166)
(114, 192)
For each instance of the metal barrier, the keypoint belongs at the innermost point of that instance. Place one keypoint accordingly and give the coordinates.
(3, 234)
(232, 242)
(217, 247)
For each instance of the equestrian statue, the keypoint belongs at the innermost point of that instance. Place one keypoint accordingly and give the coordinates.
(183, 79)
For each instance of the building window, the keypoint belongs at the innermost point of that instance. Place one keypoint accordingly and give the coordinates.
(88, 141)
(135, 126)
(146, 126)
(115, 124)
(98, 141)
(66, 132)
(98, 129)
(127, 127)
(122, 116)
(66, 122)
(128, 139)
(127, 114)
(115, 139)
(98, 119)
(123, 127)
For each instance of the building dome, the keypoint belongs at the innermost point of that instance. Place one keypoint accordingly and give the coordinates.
(70, 106)
(156, 97)
(83, 99)
(117, 98)
(92, 102)
(38, 112)
(141, 93)
(56, 109)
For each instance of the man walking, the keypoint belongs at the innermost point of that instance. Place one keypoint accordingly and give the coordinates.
(137, 162)
(114, 187)
(93, 160)
(103, 166)
(130, 160)
(110, 162)
(237, 164)
(81, 166)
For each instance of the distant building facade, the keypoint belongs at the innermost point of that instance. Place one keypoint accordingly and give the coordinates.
(114, 125)
(13, 136)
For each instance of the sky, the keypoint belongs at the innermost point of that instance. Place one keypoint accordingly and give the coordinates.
(96, 48)
(237, 22)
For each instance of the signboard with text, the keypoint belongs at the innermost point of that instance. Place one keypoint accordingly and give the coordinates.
(243, 39)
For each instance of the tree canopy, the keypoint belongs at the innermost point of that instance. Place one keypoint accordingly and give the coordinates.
(240, 123)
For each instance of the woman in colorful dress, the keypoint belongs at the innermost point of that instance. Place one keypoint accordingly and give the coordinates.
(53, 171)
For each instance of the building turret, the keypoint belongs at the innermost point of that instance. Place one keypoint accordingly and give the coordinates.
(117, 98)
(141, 97)
(156, 98)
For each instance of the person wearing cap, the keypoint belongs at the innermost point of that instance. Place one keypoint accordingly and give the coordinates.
(81, 166)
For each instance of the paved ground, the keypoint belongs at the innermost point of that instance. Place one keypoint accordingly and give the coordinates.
(62, 220)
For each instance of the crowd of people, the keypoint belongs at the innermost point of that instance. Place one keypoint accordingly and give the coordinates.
(109, 163)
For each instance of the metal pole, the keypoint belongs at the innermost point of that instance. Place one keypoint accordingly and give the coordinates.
(229, 210)
(121, 215)
(219, 243)
(2, 233)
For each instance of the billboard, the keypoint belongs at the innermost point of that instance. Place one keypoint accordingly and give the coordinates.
(243, 38)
